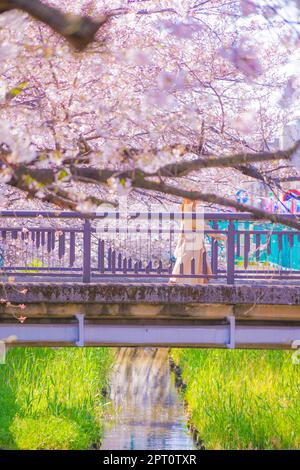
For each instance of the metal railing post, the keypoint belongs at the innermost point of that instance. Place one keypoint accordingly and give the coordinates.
(86, 268)
(230, 253)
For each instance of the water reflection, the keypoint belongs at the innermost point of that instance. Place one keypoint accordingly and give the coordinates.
(149, 412)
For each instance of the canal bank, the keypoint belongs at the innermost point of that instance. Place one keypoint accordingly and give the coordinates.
(241, 399)
(52, 398)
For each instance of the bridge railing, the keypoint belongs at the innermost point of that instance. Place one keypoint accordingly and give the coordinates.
(158, 246)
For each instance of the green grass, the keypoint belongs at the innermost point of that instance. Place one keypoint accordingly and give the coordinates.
(242, 399)
(51, 398)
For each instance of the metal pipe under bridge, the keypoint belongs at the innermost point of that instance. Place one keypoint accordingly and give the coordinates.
(102, 280)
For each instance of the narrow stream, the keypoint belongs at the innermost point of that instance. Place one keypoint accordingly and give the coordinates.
(148, 412)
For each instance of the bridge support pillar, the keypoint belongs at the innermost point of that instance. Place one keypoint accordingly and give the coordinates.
(296, 345)
(80, 318)
(231, 343)
(2, 352)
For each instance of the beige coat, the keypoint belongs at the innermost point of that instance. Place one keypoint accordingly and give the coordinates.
(190, 245)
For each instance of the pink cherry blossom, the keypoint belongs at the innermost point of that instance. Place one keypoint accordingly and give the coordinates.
(244, 59)
(248, 7)
(290, 91)
(170, 81)
(182, 30)
(8, 51)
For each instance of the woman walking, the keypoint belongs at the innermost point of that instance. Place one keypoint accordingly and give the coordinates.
(190, 252)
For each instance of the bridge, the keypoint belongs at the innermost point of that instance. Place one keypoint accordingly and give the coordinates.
(103, 279)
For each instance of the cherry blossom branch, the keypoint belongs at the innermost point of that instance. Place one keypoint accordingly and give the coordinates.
(219, 200)
(288, 179)
(181, 169)
(63, 199)
(78, 30)
(44, 180)
(241, 162)
(173, 170)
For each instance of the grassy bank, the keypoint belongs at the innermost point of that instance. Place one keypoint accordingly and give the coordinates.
(242, 399)
(51, 399)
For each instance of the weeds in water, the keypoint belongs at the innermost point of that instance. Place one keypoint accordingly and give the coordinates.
(242, 399)
(50, 399)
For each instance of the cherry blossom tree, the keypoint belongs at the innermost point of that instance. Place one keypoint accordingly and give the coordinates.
(151, 96)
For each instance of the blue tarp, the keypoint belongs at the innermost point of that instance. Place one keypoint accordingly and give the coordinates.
(289, 255)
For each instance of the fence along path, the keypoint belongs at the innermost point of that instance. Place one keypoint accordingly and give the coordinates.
(139, 246)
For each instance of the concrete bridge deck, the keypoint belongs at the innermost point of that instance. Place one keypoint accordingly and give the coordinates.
(140, 314)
